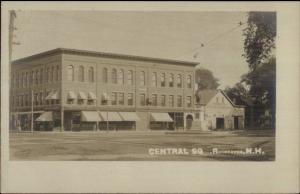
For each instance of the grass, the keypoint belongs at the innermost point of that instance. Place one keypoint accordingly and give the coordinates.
(134, 146)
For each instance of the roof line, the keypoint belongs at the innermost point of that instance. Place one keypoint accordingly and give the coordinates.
(105, 54)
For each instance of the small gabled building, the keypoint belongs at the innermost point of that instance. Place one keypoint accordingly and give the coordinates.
(216, 111)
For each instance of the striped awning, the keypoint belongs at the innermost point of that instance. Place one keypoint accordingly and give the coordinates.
(45, 116)
(129, 116)
(82, 96)
(110, 116)
(71, 95)
(161, 117)
(91, 96)
(90, 116)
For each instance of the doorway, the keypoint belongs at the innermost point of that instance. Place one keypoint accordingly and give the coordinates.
(236, 122)
(220, 123)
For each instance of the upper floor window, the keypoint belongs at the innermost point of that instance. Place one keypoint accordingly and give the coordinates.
(154, 100)
(163, 80)
(41, 76)
(130, 99)
(189, 101)
(70, 73)
(37, 77)
(91, 74)
(121, 77)
(179, 81)
(17, 81)
(217, 99)
(104, 75)
(114, 98)
(179, 101)
(23, 79)
(163, 100)
(81, 74)
(189, 81)
(142, 78)
(26, 79)
(114, 76)
(130, 77)
(52, 74)
(171, 80)
(121, 98)
(142, 99)
(171, 100)
(154, 79)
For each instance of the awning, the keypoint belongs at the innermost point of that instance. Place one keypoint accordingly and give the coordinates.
(82, 96)
(90, 116)
(53, 95)
(129, 116)
(46, 116)
(71, 95)
(105, 96)
(161, 117)
(110, 116)
(91, 96)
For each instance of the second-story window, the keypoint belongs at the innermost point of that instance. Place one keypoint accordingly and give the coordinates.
(163, 100)
(179, 81)
(26, 79)
(171, 101)
(179, 101)
(130, 99)
(17, 81)
(37, 77)
(130, 77)
(189, 101)
(189, 81)
(154, 100)
(41, 76)
(171, 80)
(142, 99)
(53, 74)
(91, 74)
(114, 76)
(114, 98)
(70, 73)
(49, 75)
(154, 79)
(104, 75)
(121, 98)
(121, 77)
(81, 74)
(142, 78)
(163, 80)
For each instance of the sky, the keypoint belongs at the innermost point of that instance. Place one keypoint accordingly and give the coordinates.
(171, 35)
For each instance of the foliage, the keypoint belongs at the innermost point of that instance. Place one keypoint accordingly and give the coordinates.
(205, 79)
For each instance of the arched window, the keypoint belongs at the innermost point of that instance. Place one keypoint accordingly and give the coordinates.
(189, 81)
(105, 75)
(81, 74)
(70, 73)
(114, 76)
(171, 80)
(121, 77)
(154, 79)
(179, 81)
(163, 80)
(130, 77)
(143, 78)
(91, 74)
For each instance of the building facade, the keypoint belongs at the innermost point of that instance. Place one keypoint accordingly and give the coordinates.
(216, 111)
(68, 90)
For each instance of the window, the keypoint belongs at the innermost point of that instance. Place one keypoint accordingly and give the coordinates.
(189, 101)
(114, 98)
(154, 99)
(104, 75)
(197, 115)
(154, 79)
(26, 100)
(24, 79)
(163, 80)
(104, 100)
(217, 99)
(17, 81)
(130, 77)
(142, 100)
(70, 73)
(179, 81)
(121, 77)
(189, 81)
(171, 101)
(121, 98)
(171, 80)
(142, 78)
(81, 74)
(91, 74)
(130, 99)
(179, 101)
(41, 98)
(41, 76)
(114, 76)
(47, 75)
(37, 77)
(52, 74)
(57, 73)
(163, 100)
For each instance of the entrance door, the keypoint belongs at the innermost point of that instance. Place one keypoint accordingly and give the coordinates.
(220, 123)
(236, 122)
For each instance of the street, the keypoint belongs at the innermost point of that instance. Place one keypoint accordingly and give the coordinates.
(142, 146)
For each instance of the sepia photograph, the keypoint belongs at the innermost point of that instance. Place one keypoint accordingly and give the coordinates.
(150, 97)
(115, 85)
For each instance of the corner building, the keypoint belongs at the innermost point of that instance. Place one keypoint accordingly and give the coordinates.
(69, 90)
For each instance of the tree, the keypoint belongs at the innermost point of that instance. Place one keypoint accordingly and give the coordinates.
(205, 79)
(260, 36)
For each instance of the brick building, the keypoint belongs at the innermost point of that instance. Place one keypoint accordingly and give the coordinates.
(67, 89)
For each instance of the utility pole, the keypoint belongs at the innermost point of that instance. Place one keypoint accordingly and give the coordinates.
(11, 29)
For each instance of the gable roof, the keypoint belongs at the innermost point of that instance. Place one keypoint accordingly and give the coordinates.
(206, 95)
(104, 54)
